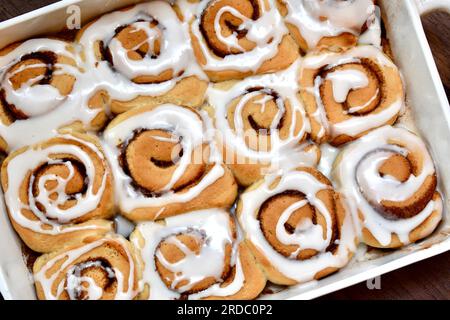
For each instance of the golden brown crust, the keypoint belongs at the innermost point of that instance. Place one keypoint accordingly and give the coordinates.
(385, 88)
(114, 253)
(220, 194)
(151, 176)
(92, 221)
(188, 91)
(420, 232)
(269, 214)
(287, 51)
(254, 280)
(337, 43)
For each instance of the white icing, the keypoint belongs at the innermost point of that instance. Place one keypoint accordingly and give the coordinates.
(358, 177)
(328, 156)
(284, 153)
(214, 227)
(47, 109)
(34, 100)
(357, 125)
(50, 111)
(346, 80)
(75, 283)
(59, 219)
(306, 236)
(372, 36)
(176, 53)
(187, 8)
(266, 32)
(182, 122)
(343, 82)
(341, 17)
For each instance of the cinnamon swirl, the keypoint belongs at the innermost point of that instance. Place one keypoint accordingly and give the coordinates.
(234, 39)
(262, 125)
(58, 192)
(297, 226)
(38, 79)
(196, 256)
(349, 94)
(390, 182)
(143, 56)
(99, 269)
(165, 163)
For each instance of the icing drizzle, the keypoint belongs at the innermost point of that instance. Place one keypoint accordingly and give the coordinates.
(49, 111)
(267, 32)
(286, 153)
(307, 235)
(79, 286)
(217, 232)
(357, 174)
(340, 17)
(182, 122)
(343, 82)
(57, 218)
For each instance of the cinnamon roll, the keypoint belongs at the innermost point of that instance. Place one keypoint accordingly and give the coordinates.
(390, 182)
(235, 39)
(99, 269)
(165, 163)
(38, 81)
(262, 125)
(196, 256)
(333, 24)
(58, 192)
(142, 55)
(349, 94)
(297, 226)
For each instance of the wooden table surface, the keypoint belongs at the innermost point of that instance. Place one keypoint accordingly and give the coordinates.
(429, 279)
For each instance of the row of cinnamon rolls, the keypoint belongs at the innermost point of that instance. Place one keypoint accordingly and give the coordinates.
(158, 52)
(290, 227)
(251, 114)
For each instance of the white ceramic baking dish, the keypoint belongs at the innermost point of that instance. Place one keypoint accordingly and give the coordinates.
(426, 97)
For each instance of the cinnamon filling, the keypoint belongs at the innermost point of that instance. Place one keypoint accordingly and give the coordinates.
(99, 270)
(260, 122)
(229, 25)
(136, 42)
(263, 114)
(11, 110)
(401, 168)
(174, 249)
(46, 57)
(360, 101)
(77, 185)
(151, 158)
(271, 212)
(19, 78)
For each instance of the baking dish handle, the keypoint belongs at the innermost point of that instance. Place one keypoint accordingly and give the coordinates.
(425, 6)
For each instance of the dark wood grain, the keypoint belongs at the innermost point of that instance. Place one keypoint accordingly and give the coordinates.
(12, 8)
(429, 279)
(437, 28)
